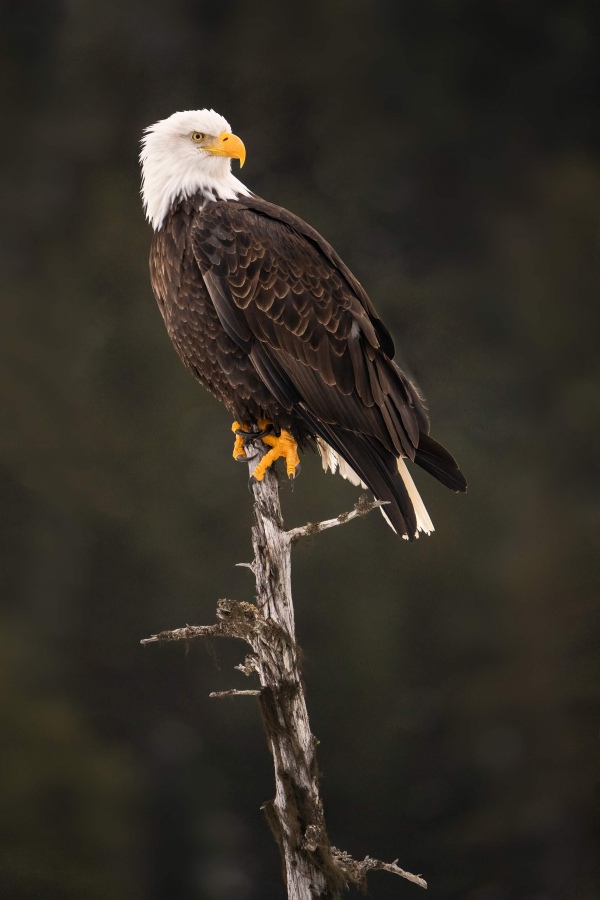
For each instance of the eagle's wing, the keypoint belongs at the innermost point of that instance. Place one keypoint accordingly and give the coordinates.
(312, 333)
(272, 285)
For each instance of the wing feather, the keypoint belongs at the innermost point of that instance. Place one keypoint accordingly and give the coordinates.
(285, 288)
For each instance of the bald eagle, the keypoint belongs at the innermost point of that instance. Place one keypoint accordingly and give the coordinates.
(266, 315)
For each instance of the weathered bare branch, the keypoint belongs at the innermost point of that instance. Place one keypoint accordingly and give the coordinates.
(312, 867)
(362, 507)
(234, 693)
(187, 633)
(356, 872)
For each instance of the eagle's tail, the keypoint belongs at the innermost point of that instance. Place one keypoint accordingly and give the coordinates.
(363, 461)
(436, 460)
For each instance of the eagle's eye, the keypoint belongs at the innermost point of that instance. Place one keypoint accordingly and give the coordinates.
(196, 136)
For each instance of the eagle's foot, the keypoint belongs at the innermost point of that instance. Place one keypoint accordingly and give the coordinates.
(244, 433)
(283, 445)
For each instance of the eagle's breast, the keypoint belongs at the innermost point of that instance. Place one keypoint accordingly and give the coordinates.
(192, 321)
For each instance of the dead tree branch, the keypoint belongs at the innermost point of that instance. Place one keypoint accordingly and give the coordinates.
(312, 867)
(362, 507)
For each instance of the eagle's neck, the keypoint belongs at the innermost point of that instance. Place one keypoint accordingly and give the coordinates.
(164, 183)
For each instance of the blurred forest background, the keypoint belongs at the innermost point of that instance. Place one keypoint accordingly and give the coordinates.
(450, 150)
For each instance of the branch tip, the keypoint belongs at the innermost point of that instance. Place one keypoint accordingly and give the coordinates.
(185, 634)
(233, 693)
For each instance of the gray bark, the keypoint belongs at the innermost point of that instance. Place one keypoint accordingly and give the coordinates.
(296, 813)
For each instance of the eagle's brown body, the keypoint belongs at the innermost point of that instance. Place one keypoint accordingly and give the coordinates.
(266, 315)
(204, 346)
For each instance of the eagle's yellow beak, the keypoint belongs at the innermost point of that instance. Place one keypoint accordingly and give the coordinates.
(228, 145)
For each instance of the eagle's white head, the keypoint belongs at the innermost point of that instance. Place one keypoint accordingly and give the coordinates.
(188, 152)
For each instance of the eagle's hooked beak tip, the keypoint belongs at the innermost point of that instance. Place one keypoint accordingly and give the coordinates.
(231, 145)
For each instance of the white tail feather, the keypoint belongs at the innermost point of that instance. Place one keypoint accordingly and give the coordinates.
(332, 461)
(424, 523)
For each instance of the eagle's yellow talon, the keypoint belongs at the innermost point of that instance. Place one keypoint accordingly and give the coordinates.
(238, 447)
(284, 445)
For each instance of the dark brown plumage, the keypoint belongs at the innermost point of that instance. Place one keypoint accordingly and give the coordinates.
(267, 316)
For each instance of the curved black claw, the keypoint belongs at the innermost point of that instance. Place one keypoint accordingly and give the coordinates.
(293, 476)
(254, 435)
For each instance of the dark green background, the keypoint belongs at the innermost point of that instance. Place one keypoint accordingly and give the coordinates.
(450, 152)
